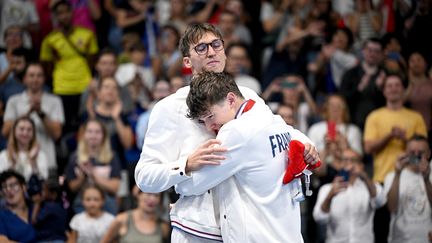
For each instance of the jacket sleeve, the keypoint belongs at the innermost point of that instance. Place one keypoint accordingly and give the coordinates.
(161, 165)
(298, 135)
(211, 176)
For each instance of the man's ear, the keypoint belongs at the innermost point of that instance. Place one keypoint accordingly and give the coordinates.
(231, 98)
(187, 62)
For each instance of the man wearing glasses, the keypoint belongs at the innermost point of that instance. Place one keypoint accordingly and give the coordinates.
(173, 142)
(15, 221)
(347, 205)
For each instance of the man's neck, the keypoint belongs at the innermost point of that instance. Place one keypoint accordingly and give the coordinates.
(66, 29)
(369, 69)
(34, 92)
(394, 105)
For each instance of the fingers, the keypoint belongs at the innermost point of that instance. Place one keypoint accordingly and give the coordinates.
(310, 154)
(211, 157)
(208, 162)
(210, 143)
(211, 146)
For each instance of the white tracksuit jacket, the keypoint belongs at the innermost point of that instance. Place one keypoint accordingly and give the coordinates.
(254, 204)
(170, 138)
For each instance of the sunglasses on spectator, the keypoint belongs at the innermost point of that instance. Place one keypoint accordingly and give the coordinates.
(202, 48)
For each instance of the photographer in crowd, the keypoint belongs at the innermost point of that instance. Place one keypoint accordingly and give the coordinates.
(351, 191)
(409, 193)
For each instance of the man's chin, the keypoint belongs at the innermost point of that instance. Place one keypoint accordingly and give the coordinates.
(216, 69)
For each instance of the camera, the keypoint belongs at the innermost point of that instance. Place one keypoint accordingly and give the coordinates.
(414, 159)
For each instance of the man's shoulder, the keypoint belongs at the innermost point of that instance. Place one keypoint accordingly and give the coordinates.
(54, 34)
(175, 99)
(174, 103)
(377, 113)
(17, 98)
(412, 113)
(254, 121)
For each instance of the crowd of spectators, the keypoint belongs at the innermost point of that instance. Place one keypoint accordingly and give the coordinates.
(78, 80)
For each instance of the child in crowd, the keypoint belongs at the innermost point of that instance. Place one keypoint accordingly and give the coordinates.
(90, 225)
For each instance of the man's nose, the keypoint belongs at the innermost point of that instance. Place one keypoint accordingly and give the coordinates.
(211, 126)
(211, 51)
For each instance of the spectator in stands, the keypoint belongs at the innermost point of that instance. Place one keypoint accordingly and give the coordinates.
(21, 13)
(14, 81)
(177, 82)
(13, 37)
(239, 65)
(15, 220)
(44, 109)
(388, 128)
(419, 92)
(161, 90)
(361, 86)
(228, 24)
(386, 132)
(23, 153)
(86, 13)
(409, 193)
(293, 91)
(108, 110)
(169, 57)
(136, 78)
(137, 16)
(178, 15)
(333, 61)
(93, 223)
(345, 135)
(67, 53)
(49, 217)
(287, 113)
(415, 25)
(243, 18)
(365, 22)
(96, 163)
(393, 62)
(142, 224)
(105, 67)
(354, 193)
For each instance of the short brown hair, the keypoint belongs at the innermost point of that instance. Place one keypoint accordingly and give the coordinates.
(192, 35)
(207, 89)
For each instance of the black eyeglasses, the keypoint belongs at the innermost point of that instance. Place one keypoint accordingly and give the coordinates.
(202, 48)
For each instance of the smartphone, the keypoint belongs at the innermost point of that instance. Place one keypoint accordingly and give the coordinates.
(331, 130)
(344, 174)
(290, 84)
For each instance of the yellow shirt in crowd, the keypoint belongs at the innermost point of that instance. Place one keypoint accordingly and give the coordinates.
(379, 123)
(71, 73)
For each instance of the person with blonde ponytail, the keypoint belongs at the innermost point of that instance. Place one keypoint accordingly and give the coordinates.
(23, 153)
(94, 163)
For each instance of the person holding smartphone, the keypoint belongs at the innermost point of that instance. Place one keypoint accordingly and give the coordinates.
(409, 193)
(347, 205)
